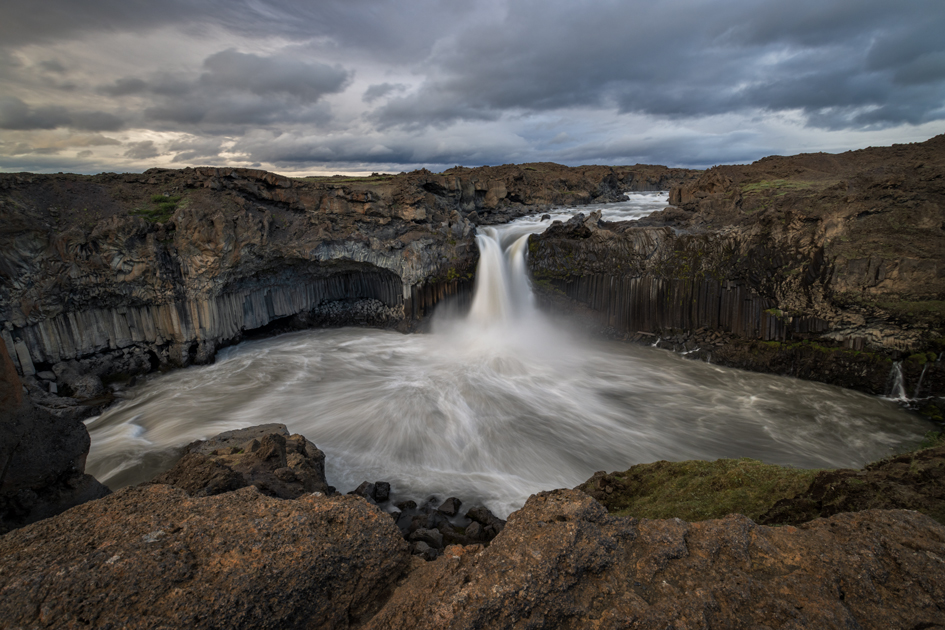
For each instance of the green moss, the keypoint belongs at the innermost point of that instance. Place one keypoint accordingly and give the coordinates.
(698, 490)
(163, 209)
(933, 439)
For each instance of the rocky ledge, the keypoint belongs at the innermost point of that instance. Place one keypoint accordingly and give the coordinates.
(231, 555)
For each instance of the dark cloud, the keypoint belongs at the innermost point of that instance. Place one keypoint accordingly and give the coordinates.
(124, 87)
(439, 82)
(265, 76)
(51, 65)
(195, 149)
(709, 59)
(142, 150)
(237, 90)
(15, 114)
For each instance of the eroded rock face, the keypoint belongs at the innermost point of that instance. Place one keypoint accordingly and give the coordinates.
(265, 456)
(176, 263)
(153, 557)
(562, 562)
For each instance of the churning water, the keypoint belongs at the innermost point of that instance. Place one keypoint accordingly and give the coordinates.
(493, 406)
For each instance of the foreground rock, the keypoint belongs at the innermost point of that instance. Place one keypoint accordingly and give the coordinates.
(153, 557)
(913, 481)
(264, 456)
(562, 562)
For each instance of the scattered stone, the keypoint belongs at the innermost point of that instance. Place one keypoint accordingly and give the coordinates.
(381, 491)
(450, 507)
(424, 550)
(432, 537)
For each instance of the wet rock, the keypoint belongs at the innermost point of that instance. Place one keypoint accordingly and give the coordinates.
(450, 507)
(151, 556)
(381, 491)
(563, 562)
(425, 551)
(265, 456)
(365, 490)
(431, 537)
(78, 383)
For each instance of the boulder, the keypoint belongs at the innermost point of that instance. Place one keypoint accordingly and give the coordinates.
(153, 557)
(265, 456)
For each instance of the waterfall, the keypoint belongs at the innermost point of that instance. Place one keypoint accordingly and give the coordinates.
(897, 388)
(921, 378)
(502, 293)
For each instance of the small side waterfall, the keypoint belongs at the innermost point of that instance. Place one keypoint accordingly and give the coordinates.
(918, 386)
(896, 383)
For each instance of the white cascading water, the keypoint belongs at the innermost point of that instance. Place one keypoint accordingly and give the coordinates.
(493, 406)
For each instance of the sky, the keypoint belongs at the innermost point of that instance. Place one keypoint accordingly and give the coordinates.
(358, 86)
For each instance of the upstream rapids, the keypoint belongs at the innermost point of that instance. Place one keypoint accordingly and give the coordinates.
(495, 404)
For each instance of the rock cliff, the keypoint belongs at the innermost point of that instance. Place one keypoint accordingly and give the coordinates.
(119, 274)
(829, 267)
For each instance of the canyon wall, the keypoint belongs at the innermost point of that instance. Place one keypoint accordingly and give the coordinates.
(829, 267)
(116, 275)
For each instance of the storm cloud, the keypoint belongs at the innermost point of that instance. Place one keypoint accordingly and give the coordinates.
(363, 85)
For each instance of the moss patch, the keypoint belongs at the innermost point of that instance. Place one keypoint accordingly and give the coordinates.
(162, 210)
(697, 490)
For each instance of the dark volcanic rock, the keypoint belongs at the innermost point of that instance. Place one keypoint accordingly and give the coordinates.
(152, 557)
(265, 456)
(42, 457)
(562, 562)
(913, 481)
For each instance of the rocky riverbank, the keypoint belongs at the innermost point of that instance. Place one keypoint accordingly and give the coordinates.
(245, 533)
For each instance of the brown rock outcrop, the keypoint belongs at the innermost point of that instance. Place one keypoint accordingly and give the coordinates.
(562, 562)
(264, 456)
(152, 557)
(912, 481)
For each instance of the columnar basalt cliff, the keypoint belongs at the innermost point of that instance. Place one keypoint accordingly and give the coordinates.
(823, 266)
(164, 267)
